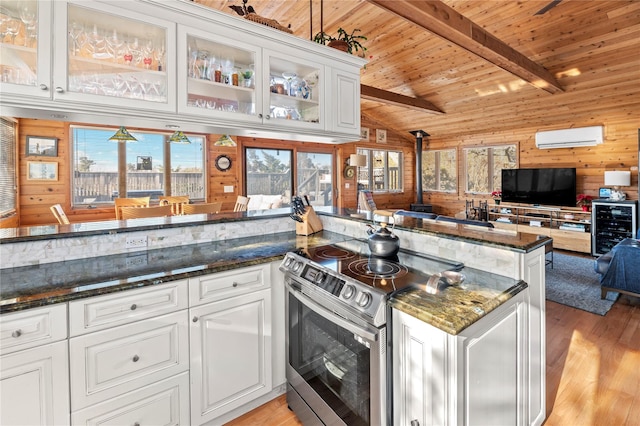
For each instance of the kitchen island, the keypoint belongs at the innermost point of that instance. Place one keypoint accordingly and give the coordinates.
(221, 243)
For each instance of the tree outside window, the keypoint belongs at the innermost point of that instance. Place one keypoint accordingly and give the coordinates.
(440, 170)
(98, 164)
(484, 165)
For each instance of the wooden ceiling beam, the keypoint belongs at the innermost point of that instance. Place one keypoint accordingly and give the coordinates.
(440, 19)
(384, 96)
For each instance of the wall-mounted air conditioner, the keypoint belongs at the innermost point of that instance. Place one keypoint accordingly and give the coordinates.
(570, 138)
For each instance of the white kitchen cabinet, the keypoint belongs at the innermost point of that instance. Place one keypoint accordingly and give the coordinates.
(108, 363)
(209, 65)
(34, 382)
(129, 62)
(474, 378)
(26, 63)
(163, 403)
(114, 55)
(231, 353)
(104, 312)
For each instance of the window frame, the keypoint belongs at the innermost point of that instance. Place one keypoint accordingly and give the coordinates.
(369, 153)
(122, 168)
(490, 166)
(437, 170)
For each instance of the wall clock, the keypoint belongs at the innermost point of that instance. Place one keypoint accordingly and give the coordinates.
(223, 163)
(349, 172)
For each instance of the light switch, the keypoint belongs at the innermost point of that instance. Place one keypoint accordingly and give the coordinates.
(346, 185)
(228, 188)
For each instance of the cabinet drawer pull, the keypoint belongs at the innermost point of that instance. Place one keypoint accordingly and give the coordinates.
(134, 307)
(136, 358)
(59, 89)
(195, 319)
(44, 87)
(235, 284)
(415, 423)
(136, 424)
(16, 333)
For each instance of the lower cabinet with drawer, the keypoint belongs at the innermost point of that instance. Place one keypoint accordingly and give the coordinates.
(133, 369)
(34, 367)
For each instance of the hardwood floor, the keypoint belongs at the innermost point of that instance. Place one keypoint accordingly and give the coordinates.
(593, 374)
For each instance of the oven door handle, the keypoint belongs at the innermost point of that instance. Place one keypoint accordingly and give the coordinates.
(332, 316)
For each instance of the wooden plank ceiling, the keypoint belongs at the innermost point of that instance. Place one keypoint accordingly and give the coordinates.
(590, 50)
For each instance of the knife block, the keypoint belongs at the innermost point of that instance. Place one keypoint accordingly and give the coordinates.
(310, 222)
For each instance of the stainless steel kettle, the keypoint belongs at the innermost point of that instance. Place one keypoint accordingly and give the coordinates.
(383, 242)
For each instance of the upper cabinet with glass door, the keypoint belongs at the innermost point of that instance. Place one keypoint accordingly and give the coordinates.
(25, 49)
(295, 92)
(217, 75)
(114, 57)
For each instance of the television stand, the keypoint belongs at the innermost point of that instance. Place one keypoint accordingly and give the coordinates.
(570, 227)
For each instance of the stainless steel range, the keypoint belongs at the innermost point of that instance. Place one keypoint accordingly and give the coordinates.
(337, 329)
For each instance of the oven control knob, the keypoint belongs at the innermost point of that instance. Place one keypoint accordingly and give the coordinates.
(349, 291)
(287, 262)
(364, 300)
(320, 277)
(296, 266)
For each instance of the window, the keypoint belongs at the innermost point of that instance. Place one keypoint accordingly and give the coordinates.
(440, 170)
(383, 171)
(268, 177)
(315, 171)
(8, 182)
(99, 164)
(484, 165)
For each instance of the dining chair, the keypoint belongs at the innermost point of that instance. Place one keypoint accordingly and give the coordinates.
(177, 202)
(130, 202)
(137, 212)
(241, 204)
(59, 214)
(202, 208)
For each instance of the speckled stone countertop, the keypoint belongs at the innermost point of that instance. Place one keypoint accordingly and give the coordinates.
(452, 308)
(32, 286)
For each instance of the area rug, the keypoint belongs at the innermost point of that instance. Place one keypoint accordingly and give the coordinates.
(573, 282)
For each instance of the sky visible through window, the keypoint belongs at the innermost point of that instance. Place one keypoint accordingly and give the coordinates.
(94, 144)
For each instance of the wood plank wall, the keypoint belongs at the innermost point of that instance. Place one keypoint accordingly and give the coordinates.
(619, 152)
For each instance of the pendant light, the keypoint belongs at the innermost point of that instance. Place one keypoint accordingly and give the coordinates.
(225, 140)
(123, 135)
(179, 138)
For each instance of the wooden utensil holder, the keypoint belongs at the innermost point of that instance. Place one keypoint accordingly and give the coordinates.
(310, 222)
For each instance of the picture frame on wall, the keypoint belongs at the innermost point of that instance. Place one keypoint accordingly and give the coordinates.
(364, 134)
(41, 170)
(42, 146)
(381, 136)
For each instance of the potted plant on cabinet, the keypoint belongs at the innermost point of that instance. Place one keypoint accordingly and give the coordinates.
(347, 42)
(497, 196)
(584, 201)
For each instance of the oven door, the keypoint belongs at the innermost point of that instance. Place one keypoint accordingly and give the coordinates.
(337, 367)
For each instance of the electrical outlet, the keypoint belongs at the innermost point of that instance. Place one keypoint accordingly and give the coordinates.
(137, 260)
(228, 188)
(136, 242)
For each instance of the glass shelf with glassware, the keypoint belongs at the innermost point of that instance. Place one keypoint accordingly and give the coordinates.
(294, 92)
(219, 76)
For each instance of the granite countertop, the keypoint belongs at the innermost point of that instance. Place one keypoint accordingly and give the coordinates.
(32, 286)
(452, 308)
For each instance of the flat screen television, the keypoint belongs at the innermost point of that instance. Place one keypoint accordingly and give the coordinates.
(548, 186)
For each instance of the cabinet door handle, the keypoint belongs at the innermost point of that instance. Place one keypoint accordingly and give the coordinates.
(44, 87)
(260, 115)
(235, 284)
(134, 307)
(16, 333)
(415, 423)
(136, 358)
(195, 319)
(136, 424)
(267, 116)
(59, 89)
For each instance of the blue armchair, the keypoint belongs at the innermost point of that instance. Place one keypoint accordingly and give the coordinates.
(620, 268)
